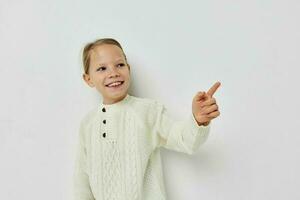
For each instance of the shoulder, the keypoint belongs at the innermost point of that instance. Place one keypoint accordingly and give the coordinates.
(145, 103)
(142, 100)
(146, 108)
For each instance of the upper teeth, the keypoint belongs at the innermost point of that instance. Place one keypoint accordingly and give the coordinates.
(115, 83)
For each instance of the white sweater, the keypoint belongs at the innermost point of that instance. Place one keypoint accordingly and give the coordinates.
(118, 151)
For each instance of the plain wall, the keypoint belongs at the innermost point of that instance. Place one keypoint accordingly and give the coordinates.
(175, 48)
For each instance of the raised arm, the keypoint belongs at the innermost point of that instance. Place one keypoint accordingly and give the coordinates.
(183, 136)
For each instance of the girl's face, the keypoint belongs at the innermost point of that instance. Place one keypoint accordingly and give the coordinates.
(108, 65)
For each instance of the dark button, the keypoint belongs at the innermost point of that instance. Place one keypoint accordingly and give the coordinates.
(104, 134)
(103, 110)
(104, 121)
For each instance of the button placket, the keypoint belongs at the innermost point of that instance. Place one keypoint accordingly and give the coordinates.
(104, 122)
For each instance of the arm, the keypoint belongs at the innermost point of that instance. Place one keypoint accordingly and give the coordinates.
(183, 136)
(81, 185)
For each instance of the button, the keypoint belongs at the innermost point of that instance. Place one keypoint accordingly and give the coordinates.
(104, 134)
(103, 110)
(104, 121)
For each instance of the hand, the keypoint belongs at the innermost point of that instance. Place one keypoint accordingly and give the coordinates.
(204, 106)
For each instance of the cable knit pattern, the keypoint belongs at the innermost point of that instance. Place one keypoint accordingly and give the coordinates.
(132, 190)
(111, 171)
(118, 151)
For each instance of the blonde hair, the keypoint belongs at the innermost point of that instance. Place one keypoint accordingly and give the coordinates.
(86, 54)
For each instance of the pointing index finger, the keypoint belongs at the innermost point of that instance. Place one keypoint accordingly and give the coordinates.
(213, 89)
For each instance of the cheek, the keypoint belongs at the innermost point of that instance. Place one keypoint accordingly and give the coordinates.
(100, 79)
(126, 74)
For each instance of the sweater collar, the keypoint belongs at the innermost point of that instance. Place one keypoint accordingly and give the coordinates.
(106, 107)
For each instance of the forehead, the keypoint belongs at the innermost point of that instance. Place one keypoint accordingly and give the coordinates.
(106, 53)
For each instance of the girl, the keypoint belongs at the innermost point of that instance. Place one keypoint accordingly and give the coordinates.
(118, 151)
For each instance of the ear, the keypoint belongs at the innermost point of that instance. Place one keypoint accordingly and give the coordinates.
(87, 79)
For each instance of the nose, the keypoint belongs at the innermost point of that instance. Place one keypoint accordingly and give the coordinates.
(114, 73)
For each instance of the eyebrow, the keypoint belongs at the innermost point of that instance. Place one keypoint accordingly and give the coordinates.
(118, 59)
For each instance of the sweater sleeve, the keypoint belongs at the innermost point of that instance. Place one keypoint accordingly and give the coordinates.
(81, 184)
(183, 136)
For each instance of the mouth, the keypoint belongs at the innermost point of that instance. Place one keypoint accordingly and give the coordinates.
(116, 84)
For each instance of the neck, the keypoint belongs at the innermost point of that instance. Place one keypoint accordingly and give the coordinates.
(113, 101)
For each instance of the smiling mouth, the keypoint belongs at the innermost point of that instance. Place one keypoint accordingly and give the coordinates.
(114, 85)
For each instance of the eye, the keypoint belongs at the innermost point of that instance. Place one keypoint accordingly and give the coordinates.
(101, 68)
(122, 64)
